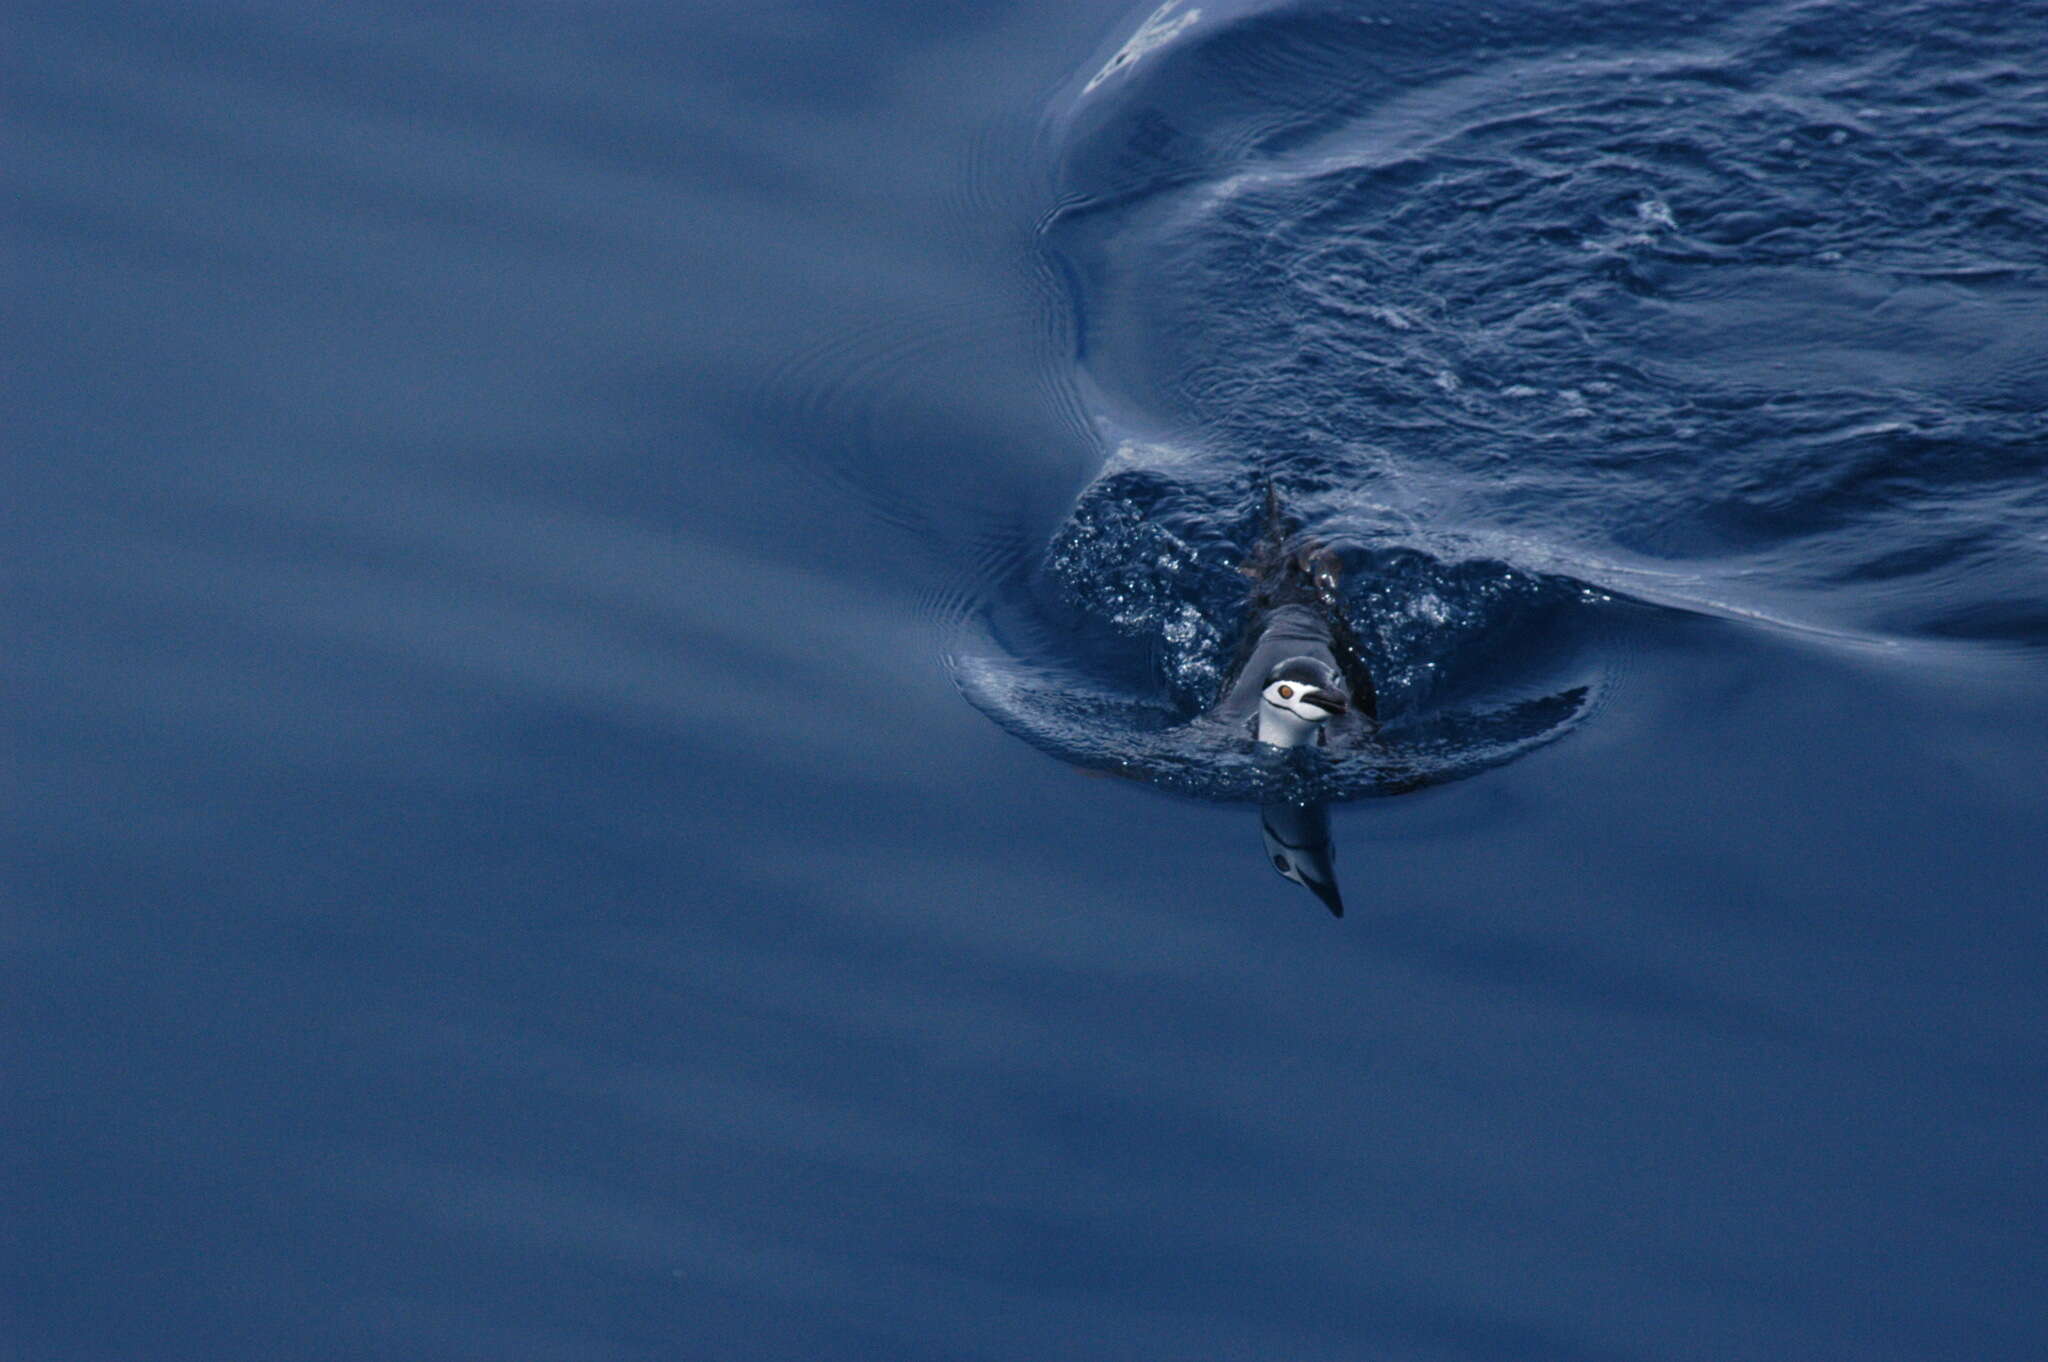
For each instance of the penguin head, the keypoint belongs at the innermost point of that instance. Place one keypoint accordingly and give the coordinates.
(1317, 704)
(1299, 697)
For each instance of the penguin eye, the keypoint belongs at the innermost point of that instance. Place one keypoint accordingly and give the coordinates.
(1280, 864)
(1287, 692)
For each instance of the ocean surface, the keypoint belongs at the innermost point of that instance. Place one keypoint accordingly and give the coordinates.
(607, 614)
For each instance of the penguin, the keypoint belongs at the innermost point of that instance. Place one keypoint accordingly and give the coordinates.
(1298, 681)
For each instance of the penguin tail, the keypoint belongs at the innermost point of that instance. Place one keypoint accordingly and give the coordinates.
(1309, 566)
(1268, 558)
(1275, 517)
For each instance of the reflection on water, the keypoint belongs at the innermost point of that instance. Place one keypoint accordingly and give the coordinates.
(1298, 844)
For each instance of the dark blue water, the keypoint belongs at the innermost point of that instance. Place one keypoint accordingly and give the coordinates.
(521, 518)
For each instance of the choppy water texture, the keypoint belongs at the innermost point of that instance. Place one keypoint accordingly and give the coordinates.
(503, 501)
(1532, 310)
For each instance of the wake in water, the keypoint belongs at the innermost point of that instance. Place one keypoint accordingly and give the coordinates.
(1533, 314)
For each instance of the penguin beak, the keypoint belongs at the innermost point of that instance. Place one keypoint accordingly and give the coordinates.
(1327, 699)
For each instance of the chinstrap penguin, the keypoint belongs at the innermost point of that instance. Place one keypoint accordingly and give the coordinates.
(1299, 681)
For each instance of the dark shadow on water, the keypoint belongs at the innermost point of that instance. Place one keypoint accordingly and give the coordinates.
(1298, 844)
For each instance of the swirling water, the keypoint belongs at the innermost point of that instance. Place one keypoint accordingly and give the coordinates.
(1533, 309)
(497, 862)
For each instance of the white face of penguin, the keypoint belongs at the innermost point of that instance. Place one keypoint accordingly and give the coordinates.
(1293, 712)
(1304, 701)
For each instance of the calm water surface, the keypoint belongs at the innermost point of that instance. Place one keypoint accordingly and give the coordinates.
(537, 531)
